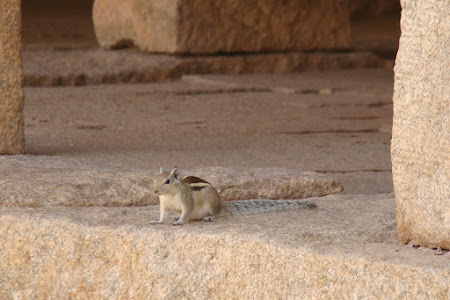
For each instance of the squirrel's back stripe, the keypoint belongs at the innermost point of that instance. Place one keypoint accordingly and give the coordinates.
(195, 183)
(193, 179)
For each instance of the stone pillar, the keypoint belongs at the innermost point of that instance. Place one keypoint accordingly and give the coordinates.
(421, 130)
(11, 94)
(223, 26)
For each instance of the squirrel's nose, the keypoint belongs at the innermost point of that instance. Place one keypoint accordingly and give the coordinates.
(156, 191)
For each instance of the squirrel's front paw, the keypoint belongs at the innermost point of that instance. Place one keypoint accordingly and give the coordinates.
(177, 223)
(155, 222)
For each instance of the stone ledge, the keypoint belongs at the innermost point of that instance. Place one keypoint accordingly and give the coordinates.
(225, 26)
(344, 249)
(73, 67)
(42, 181)
(77, 67)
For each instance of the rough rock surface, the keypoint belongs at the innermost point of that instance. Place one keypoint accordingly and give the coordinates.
(74, 67)
(346, 248)
(421, 129)
(11, 95)
(208, 26)
(42, 181)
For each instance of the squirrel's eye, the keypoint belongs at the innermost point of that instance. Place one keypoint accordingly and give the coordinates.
(167, 181)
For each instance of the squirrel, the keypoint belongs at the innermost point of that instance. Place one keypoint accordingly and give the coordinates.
(196, 199)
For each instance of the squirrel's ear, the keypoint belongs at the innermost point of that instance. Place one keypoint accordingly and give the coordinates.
(174, 172)
(160, 170)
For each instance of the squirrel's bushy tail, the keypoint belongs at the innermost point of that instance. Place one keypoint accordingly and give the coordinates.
(261, 206)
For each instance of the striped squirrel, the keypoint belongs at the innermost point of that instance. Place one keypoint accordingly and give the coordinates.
(196, 199)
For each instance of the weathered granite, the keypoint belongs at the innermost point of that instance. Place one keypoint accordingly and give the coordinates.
(344, 249)
(209, 26)
(421, 128)
(44, 181)
(11, 95)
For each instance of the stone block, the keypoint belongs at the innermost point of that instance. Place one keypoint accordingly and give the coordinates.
(226, 26)
(11, 94)
(346, 249)
(421, 125)
(48, 181)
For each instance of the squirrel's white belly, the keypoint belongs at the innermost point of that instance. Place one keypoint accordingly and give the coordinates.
(172, 202)
(200, 212)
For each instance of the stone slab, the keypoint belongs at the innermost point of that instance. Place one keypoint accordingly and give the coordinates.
(227, 26)
(421, 128)
(73, 67)
(11, 95)
(344, 249)
(76, 67)
(43, 181)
